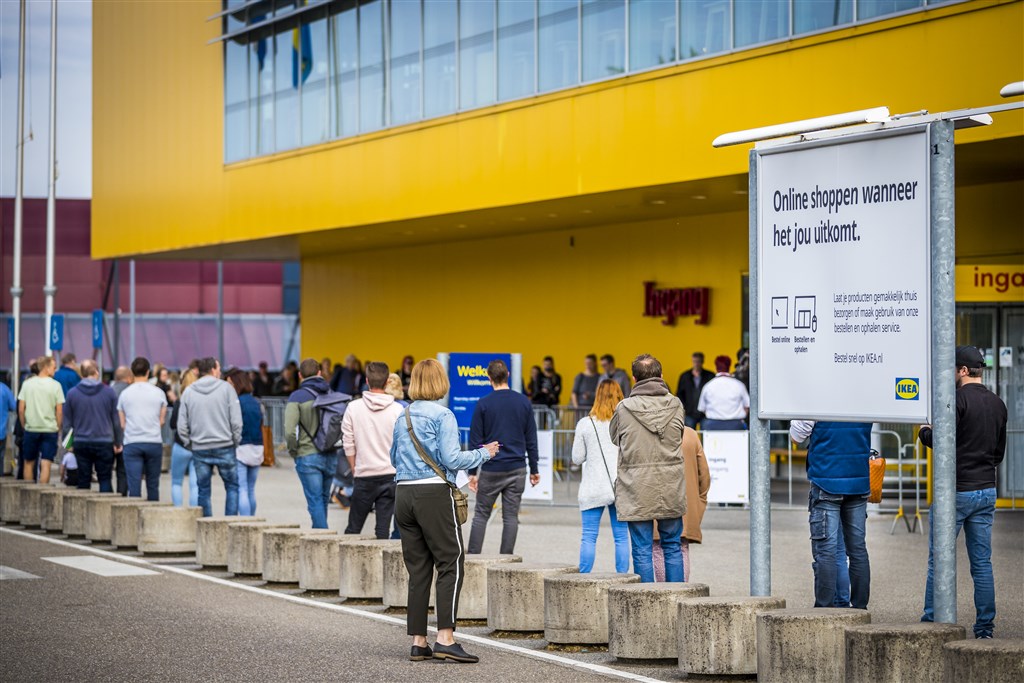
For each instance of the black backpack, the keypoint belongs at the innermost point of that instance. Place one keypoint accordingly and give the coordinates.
(330, 409)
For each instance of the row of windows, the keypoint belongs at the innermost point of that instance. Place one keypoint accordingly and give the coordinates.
(339, 68)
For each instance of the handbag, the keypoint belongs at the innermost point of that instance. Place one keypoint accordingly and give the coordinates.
(460, 498)
(876, 464)
(603, 459)
(268, 439)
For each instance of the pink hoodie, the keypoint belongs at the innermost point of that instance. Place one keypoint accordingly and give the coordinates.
(367, 430)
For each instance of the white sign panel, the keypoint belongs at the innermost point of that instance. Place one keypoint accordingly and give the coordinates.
(727, 454)
(545, 459)
(843, 280)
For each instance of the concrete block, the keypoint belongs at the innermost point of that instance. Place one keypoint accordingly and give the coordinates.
(245, 545)
(212, 539)
(642, 618)
(473, 599)
(51, 505)
(281, 553)
(576, 606)
(515, 594)
(319, 564)
(28, 502)
(396, 581)
(718, 636)
(10, 501)
(168, 529)
(75, 512)
(1000, 660)
(124, 520)
(98, 522)
(361, 568)
(796, 645)
(898, 653)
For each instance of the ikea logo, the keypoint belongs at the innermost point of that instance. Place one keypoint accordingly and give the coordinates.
(907, 388)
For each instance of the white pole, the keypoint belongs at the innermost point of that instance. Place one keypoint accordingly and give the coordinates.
(50, 289)
(131, 310)
(18, 192)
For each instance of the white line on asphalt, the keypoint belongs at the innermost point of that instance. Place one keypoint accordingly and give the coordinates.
(465, 637)
(99, 565)
(10, 573)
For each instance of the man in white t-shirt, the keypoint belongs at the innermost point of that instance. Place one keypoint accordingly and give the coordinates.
(724, 400)
(142, 407)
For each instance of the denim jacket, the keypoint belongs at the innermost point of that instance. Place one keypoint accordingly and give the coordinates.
(438, 432)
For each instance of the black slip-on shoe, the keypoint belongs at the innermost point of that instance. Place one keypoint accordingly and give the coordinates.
(420, 654)
(455, 653)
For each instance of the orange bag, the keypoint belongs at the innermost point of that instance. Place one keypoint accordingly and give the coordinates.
(877, 474)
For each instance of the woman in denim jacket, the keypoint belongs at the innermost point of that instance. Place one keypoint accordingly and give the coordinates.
(425, 510)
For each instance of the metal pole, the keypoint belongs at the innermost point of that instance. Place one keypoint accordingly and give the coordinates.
(131, 309)
(50, 289)
(943, 371)
(220, 312)
(760, 437)
(16, 290)
(116, 345)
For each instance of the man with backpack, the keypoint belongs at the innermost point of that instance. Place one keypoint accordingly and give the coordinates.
(312, 425)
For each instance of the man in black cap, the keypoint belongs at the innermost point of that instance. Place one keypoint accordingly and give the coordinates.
(980, 446)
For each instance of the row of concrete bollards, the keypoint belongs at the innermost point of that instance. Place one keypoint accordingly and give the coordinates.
(707, 635)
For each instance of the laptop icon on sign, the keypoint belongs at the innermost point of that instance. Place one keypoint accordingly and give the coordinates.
(780, 312)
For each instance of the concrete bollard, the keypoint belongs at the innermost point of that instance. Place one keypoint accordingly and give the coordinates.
(75, 512)
(396, 580)
(576, 607)
(718, 636)
(51, 505)
(212, 539)
(473, 599)
(245, 545)
(98, 521)
(361, 568)
(168, 529)
(281, 553)
(319, 564)
(10, 501)
(898, 653)
(515, 594)
(642, 618)
(795, 645)
(28, 503)
(124, 521)
(1000, 660)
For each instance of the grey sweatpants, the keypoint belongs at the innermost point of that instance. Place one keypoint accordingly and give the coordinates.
(510, 485)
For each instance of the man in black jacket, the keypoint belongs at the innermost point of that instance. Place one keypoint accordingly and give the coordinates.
(980, 446)
(690, 384)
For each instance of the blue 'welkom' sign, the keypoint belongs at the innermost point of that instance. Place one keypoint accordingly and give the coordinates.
(467, 374)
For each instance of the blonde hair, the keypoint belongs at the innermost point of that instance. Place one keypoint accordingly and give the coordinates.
(609, 393)
(187, 378)
(394, 386)
(428, 382)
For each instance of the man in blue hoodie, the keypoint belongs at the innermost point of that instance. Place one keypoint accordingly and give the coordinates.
(91, 411)
(837, 465)
(67, 376)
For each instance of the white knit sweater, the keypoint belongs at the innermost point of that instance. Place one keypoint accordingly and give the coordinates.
(595, 488)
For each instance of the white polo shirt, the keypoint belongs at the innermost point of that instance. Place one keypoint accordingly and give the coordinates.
(724, 398)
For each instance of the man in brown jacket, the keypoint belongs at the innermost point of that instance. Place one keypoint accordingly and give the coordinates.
(648, 427)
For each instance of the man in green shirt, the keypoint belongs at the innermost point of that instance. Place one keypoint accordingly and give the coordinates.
(41, 411)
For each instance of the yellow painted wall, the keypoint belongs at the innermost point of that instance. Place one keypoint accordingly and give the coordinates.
(159, 182)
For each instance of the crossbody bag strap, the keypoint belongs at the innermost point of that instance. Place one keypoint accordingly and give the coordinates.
(422, 451)
(601, 448)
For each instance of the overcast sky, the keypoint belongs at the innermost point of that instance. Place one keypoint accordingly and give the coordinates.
(74, 97)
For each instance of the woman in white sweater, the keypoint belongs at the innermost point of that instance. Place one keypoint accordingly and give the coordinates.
(593, 448)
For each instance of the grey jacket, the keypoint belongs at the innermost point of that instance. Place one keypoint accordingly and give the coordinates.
(210, 416)
(648, 429)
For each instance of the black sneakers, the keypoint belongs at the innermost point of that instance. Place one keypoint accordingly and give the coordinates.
(420, 654)
(454, 652)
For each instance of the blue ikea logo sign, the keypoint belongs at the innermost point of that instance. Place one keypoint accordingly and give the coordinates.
(907, 388)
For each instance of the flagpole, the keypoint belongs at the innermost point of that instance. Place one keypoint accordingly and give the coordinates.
(50, 289)
(16, 290)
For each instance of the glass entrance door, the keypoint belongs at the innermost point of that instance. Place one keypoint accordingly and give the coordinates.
(1010, 367)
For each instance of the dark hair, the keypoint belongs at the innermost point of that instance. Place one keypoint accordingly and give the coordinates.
(975, 372)
(549, 359)
(140, 367)
(33, 367)
(206, 365)
(309, 368)
(722, 363)
(698, 354)
(377, 374)
(608, 357)
(591, 356)
(497, 372)
(193, 364)
(241, 381)
(646, 366)
(67, 358)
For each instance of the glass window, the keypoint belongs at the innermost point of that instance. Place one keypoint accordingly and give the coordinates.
(558, 44)
(652, 33)
(515, 49)
(314, 68)
(236, 95)
(476, 53)
(286, 90)
(405, 61)
(705, 28)
(869, 9)
(814, 15)
(759, 21)
(440, 25)
(371, 66)
(261, 93)
(345, 70)
(604, 38)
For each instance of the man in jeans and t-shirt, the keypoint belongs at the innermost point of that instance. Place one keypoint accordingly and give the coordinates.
(506, 417)
(143, 408)
(41, 413)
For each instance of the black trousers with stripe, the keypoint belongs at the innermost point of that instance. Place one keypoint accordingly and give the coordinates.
(431, 539)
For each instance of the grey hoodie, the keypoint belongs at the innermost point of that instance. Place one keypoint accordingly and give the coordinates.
(648, 429)
(210, 416)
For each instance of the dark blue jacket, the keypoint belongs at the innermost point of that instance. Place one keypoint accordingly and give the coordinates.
(837, 457)
(505, 416)
(67, 378)
(252, 420)
(91, 410)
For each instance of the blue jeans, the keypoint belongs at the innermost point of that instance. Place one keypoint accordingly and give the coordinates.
(830, 516)
(247, 489)
(641, 535)
(709, 425)
(139, 458)
(975, 511)
(316, 472)
(588, 545)
(842, 574)
(224, 460)
(181, 461)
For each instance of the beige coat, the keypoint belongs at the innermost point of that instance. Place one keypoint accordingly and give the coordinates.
(648, 428)
(698, 481)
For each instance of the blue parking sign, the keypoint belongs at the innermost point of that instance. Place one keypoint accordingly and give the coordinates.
(10, 334)
(97, 328)
(57, 332)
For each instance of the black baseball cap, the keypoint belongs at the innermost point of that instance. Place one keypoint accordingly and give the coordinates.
(969, 357)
